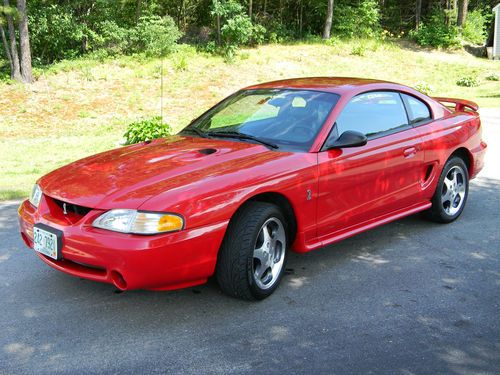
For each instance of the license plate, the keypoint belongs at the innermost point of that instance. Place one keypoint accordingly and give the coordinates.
(47, 241)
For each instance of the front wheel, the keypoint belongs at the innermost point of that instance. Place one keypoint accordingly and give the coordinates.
(451, 193)
(252, 258)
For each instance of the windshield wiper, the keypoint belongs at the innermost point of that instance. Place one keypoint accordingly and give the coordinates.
(242, 136)
(196, 131)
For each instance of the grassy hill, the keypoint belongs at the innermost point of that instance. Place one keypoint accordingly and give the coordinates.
(81, 107)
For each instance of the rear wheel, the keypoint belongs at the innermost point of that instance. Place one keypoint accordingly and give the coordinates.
(252, 258)
(451, 193)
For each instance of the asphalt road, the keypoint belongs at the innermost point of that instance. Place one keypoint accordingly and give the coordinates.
(411, 297)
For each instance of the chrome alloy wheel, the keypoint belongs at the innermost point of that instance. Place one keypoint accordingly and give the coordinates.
(269, 253)
(454, 188)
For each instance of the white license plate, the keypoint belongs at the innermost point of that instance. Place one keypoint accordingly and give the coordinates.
(47, 242)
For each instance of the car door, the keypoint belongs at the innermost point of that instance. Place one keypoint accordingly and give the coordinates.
(360, 184)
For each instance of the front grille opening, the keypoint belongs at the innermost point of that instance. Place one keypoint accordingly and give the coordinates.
(65, 213)
(72, 208)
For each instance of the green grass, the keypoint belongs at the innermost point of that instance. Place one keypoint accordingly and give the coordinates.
(80, 107)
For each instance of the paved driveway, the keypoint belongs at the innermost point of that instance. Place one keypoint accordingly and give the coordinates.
(411, 297)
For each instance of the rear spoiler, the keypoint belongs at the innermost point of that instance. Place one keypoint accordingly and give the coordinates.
(460, 104)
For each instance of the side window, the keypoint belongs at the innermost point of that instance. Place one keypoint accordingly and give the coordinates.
(373, 113)
(417, 110)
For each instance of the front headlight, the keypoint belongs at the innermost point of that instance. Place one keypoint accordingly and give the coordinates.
(36, 195)
(139, 222)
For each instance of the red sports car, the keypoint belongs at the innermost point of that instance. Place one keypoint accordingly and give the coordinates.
(288, 165)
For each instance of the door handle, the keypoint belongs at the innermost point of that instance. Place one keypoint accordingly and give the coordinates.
(410, 152)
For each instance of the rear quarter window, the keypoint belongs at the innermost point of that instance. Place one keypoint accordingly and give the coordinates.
(418, 111)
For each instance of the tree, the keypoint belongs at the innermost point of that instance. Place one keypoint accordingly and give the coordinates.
(24, 41)
(462, 12)
(15, 72)
(6, 45)
(19, 61)
(329, 19)
(418, 13)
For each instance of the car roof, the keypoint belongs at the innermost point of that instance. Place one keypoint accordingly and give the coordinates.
(338, 85)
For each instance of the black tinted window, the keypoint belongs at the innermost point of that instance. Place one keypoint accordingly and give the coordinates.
(373, 113)
(417, 110)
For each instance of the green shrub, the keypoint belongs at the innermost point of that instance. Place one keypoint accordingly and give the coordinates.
(435, 32)
(146, 130)
(210, 47)
(424, 88)
(55, 34)
(154, 35)
(258, 34)
(468, 81)
(237, 31)
(359, 49)
(493, 77)
(237, 28)
(333, 41)
(279, 33)
(362, 20)
(244, 56)
(111, 37)
(474, 29)
(180, 63)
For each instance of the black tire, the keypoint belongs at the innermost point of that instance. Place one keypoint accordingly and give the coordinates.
(235, 263)
(438, 212)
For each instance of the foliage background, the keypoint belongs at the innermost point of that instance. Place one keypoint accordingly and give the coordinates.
(99, 64)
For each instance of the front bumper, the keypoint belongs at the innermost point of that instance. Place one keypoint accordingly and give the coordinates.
(159, 262)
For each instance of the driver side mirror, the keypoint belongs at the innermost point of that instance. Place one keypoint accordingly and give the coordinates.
(349, 138)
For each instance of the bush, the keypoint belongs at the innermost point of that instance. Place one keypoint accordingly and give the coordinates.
(435, 33)
(279, 34)
(424, 88)
(154, 35)
(258, 34)
(474, 29)
(362, 20)
(359, 49)
(468, 81)
(237, 31)
(237, 28)
(493, 77)
(146, 130)
(111, 37)
(55, 34)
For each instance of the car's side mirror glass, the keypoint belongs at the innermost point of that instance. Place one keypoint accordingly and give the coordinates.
(349, 138)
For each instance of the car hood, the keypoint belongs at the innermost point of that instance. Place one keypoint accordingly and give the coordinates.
(127, 177)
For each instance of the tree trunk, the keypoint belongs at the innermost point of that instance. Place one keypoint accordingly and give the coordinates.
(138, 10)
(328, 22)
(218, 30)
(250, 8)
(179, 15)
(418, 14)
(462, 12)
(301, 18)
(15, 73)
(6, 47)
(24, 41)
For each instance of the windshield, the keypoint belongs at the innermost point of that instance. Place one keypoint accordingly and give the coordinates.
(288, 119)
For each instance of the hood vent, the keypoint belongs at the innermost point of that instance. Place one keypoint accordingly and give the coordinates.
(207, 151)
